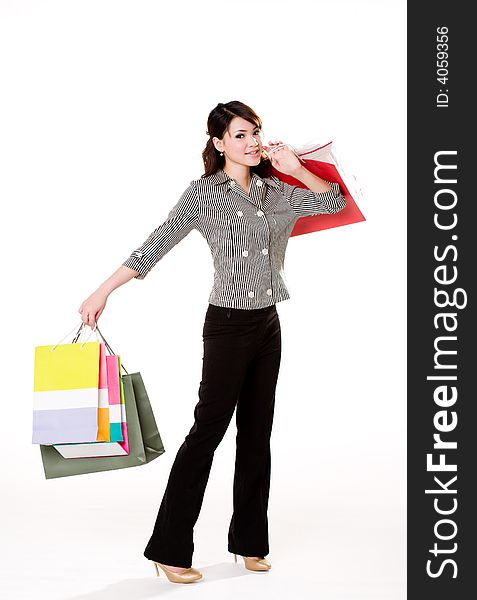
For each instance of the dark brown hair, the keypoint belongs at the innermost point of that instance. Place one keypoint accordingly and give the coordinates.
(217, 124)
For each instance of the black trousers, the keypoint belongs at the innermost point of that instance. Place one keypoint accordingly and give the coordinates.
(242, 350)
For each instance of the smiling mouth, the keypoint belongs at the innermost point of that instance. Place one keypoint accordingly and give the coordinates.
(253, 153)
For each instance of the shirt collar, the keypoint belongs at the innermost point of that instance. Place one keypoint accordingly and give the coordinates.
(221, 177)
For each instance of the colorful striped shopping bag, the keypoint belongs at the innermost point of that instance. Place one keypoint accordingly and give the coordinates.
(66, 393)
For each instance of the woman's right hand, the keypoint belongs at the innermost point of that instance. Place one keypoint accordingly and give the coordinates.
(92, 307)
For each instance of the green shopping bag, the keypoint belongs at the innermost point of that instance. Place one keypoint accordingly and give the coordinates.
(145, 442)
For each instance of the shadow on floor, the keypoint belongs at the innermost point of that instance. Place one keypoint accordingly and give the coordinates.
(140, 589)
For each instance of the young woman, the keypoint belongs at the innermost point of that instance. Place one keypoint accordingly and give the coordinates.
(246, 216)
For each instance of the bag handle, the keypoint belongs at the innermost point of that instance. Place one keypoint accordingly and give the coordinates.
(75, 339)
(95, 330)
(111, 351)
(270, 149)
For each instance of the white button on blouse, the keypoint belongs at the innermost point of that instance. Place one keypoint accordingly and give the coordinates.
(251, 294)
(239, 213)
(260, 213)
(269, 292)
(265, 251)
(245, 253)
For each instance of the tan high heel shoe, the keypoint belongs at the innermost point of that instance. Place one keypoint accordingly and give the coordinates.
(187, 576)
(255, 564)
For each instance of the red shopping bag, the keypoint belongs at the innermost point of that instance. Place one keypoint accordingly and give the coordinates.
(322, 161)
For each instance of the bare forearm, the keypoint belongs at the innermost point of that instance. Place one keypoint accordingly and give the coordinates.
(311, 181)
(118, 278)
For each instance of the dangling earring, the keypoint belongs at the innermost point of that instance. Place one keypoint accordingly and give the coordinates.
(221, 153)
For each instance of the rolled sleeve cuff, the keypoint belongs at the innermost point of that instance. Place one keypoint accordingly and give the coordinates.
(134, 262)
(337, 201)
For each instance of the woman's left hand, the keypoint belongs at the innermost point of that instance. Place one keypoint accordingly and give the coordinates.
(284, 159)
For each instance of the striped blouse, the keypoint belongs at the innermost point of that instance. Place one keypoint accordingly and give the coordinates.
(247, 234)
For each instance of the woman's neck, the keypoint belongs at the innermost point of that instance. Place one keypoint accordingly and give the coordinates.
(241, 174)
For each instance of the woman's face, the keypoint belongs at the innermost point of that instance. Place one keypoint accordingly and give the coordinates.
(241, 144)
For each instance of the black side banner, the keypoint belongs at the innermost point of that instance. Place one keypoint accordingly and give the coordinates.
(442, 239)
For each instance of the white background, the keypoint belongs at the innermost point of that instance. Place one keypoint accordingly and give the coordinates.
(103, 110)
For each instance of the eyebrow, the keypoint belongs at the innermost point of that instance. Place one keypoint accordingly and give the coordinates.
(257, 127)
